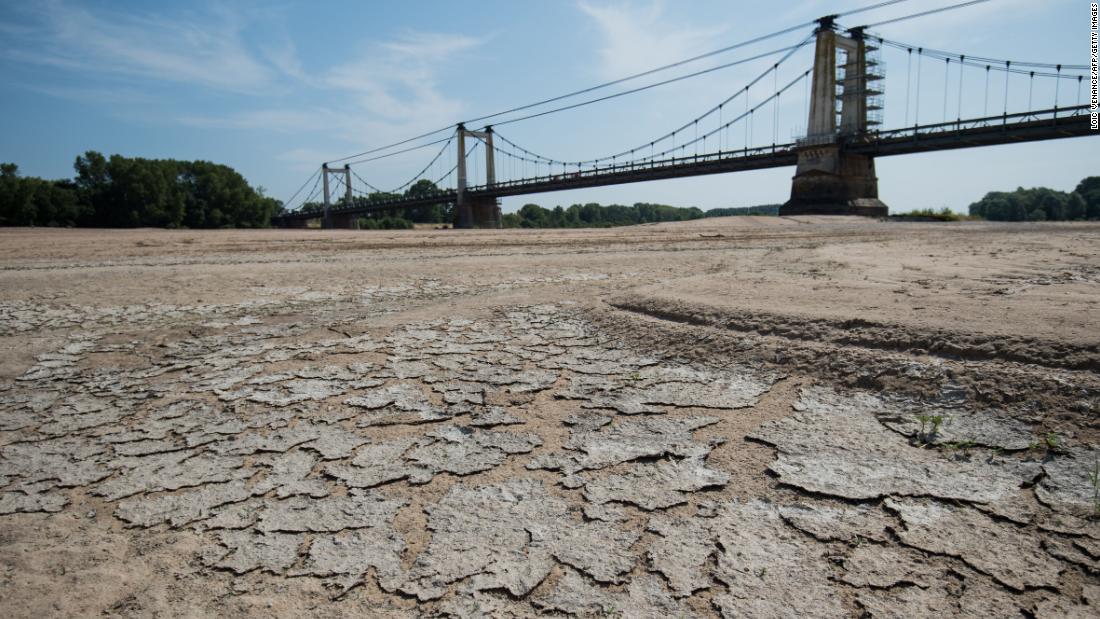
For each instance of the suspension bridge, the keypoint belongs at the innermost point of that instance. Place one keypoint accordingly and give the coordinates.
(842, 101)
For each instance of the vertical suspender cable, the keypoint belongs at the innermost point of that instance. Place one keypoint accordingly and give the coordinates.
(946, 80)
(752, 113)
(916, 113)
(1008, 72)
(985, 109)
(746, 119)
(775, 108)
(1057, 89)
(908, 83)
(962, 65)
(720, 128)
(1030, 89)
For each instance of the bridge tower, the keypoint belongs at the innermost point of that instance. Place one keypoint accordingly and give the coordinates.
(476, 212)
(338, 220)
(829, 180)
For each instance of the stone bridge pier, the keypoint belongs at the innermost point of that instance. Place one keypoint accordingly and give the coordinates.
(476, 211)
(345, 221)
(294, 223)
(829, 180)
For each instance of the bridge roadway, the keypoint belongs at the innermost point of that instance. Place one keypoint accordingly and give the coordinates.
(988, 131)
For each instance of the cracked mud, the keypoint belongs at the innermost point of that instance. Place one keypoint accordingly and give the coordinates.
(309, 452)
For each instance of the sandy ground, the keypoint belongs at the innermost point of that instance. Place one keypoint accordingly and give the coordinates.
(727, 417)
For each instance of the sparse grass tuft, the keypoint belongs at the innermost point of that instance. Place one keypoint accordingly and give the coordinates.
(1050, 442)
(927, 214)
(929, 428)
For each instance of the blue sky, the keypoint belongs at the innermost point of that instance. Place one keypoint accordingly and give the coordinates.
(273, 89)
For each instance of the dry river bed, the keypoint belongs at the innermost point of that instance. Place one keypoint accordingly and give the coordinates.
(735, 417)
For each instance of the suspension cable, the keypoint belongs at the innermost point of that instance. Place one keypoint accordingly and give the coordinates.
(369, 186)
(981, 60)
(415, 178)
(312, 193)
(790, 50)
(717, 108)
(287, 203)
(400, 152)
(926, 13)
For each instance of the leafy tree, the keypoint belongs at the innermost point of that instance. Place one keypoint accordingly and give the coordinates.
(594, 215)
(1089, 191)
(126, 192)
(763, 209)
(36, 202)
(437, 213)
(1041, 204)
(532, 216)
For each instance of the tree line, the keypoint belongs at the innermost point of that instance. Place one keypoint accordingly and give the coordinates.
(128, 192)
(1041, 203)
(762, 209)
(132, 192)
(394, 219)
(593, 215)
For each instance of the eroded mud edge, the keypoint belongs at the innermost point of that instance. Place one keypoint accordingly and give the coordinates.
(1055, 399)
(871, 334)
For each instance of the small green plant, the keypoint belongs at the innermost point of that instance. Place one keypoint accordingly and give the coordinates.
(761, 572)
(635, 376)
(929, 428)
(1051, 441)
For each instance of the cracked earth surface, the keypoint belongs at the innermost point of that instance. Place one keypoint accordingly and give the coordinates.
(450, 425)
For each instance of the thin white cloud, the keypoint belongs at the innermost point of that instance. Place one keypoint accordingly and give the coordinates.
(638, 39)
(283, 55)
(389, 91)
(397, 81)
(93, 94)
(428, 47)
(206, 52)
(304, 159)
(385, 91)
(393, 90)
(280, 120)
(959, 28)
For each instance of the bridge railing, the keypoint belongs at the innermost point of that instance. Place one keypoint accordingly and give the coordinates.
(1053, 115)
(636, 166)
(442, 195)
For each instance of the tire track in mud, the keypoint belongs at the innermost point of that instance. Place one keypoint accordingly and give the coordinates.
(872, 335)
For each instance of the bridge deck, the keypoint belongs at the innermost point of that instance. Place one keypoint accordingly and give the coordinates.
(987, 131)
